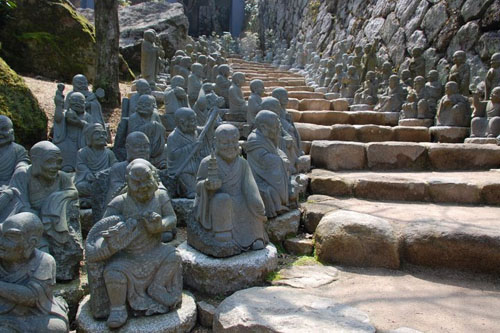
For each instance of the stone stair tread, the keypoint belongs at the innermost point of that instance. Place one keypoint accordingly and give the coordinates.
(329, 117)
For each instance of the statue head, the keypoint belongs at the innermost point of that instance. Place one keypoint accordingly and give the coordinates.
(370, 76)
(268, 123)
(185, 120)
(339, 69)
(177, 81)
(208, 87)
(405, 75)
(46, 160)
(202, 59)
(141, 180)
(19, 237)
(180, 53)
(495, 60)
(226, 142)
(6, 131)
(224, 70)
(451, 88)
(386, 68)
(433, 75)
(368, 48)
(137, 146)
(411, 97)
(257, 87)
(358, 49)
(77, 102)
(271, 104)
(238, 79)
(186, 62)
(417, 52)
(145, 106)
(459, 58)
(351, 70)
(281, 95)
(495, 95)
(150, 35)
(393, 81)
(197, 69)
(80, 83)
(189, 48)
(330, 64)
(419, 83)
(95, 135)
(143, 87)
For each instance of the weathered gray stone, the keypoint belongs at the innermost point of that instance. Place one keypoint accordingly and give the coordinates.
(434, 20)
(396, 155)
(465, 38)
(416, 39)
(456, 192)
(464, 156)
(299, 246)
(491, 19)
(414, 23)
(336, 155)
(449, 134)
(306, 276)
(205, 313)
(283, 226)
(488, 44)
(390, 189)
(183, 210)
(373, 27)
(397, 47)
(215, 276)
(405, 9)
(286, 309)
(472, 9)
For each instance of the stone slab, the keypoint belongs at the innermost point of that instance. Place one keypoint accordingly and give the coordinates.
(314, 104)
(416, 122)
(463, 156)
(396, 155)
(338, 155)
(311, 132)
(181, 320)
(361, 107)
(221, 276)
(481, 141)
(412, 134)
(284, 226)
(340, 104)
(448, 134)
(306, 276)
(325, 117)
(299, 246)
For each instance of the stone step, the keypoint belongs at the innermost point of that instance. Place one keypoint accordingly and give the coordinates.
(363, 133)
(328, 117)
(433, 235)
(462, 187)
(343, 155)
(269, 89)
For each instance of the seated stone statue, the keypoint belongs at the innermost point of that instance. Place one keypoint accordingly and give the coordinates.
(228, 208)
(330, 72)
(336, 82)
(222, 83)
(51, 194)
(27, 277)
(237, 104)
(143, 88)
(184, 69)
(384, 76)
(90, 160)
(350, 83)
(130, 269)
(147, 120)
(460, 72)
(14, 156)
(270, 166)
(417, 63)
(367, 94)
(92, 105)
(213, 100)
(492, 79)
(434, 88)
(409, 109)
(202, 60)
(68, 127)
(453, 109)
(394, 97)
(255, 99)
(149, 57)
(175, 98)
(486, 116)
(195, 81)
(406, 79)
(421, 98)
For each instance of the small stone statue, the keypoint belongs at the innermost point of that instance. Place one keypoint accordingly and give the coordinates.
(492, 79)
(394, 97)
(92, 105)
(203, 61)
(356, 61)
(255, 99)
(330, 72)
(68, 127)
(147, 120)
(149, 57)
(27, 277)
(14, 156)
(486, 116)
(321, 73)
(409, 109)
(183, 69)
(336, 82)
(350, 83)
(51, 194)
(417, 63)
(434, 88)
(369, 59)
(454, 108)
(129, 267)
(208, 90)
(90, 160)
(367, 94)
(211, 62)
(237, 104)
(422, 99)
(384, 76)
(222, 83)
(175, 98)
(269, 164)
(143, 88)
(195, 82)
(460, 72)
(230, 214)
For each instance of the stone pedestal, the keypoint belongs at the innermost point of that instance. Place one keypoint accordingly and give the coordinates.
(416, 122)
(340, 104)
(216, 276)
(481, 141)
(331, 96)
(361, 107)
(449, 134)
(181, 320)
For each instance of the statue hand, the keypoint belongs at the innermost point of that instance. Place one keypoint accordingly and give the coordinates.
(59, 99)
(213, 184)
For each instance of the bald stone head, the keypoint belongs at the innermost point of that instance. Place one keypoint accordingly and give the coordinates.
(257, 87)
(138, 146)
(271, 104)
(143, 87)
(19, 236)
(46, 160)
(77, 102)
(146, 105)
(6, 131)
(80, 83)
(185, 120)
(281, 94)
(268, 123)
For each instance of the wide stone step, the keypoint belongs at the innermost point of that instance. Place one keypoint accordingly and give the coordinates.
(269, 89)
(363, 133)
(472, 187)
(328, 117)
(433, 235)
(343, 155)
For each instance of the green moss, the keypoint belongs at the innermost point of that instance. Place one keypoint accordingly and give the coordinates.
(273, 276)
(306, 261)
(279, 248)
(18, 103)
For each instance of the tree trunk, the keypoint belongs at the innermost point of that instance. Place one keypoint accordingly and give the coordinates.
(108, 54)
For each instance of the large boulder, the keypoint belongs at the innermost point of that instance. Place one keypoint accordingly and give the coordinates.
(167, 19)
(48, 38)
(18, 103)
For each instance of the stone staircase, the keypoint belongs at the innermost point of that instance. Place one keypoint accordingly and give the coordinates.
(441, 200)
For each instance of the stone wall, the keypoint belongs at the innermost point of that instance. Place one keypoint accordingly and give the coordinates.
(439, 26)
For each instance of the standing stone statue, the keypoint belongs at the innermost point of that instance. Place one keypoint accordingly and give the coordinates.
(92, 105)
(14, 156)
(369, 59)
(350, 83)
(51, 194)
(417, 63)
(394, 97)
(129, 267)
(237, 104)
(460, 72)
(149, 57)
(229, 211)
(27, 279)
(255, 99)
(492, 79)
(454, 108)
(195, 81)
(90, 160)
(175, 98)
(270, 166)
(222, 83)
(486, 116)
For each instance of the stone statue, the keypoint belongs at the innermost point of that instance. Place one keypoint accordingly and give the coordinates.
(301, 57)
(175, 98)
(321, 73)
(406, 79)
(149, 57)
(68, 127)
(211, 62)
(392, 100)
(417, 63)
(129, 267)
(27, 278)
(336, 82)
(255, 99)
(422, 96)
(203, 61)
(330, 72)
(358, 57)
(229, 211)
(143, 88)
(270, 166)
(350, 83)
(51, 194)
(90, 160)
(92, 105)
(14, 156)
(486, 116)
(222, 83)
(208, 90)
(195, 82)
(454, 108)
(369, 59)
(434, 88)
(183, 69)
(409, 109)
(492, 79)
(384, 76)
(237, 104)
(460, 72)
(367, 94)
(147, 120)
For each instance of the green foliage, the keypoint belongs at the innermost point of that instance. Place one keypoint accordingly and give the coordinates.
(314, 10)
(6, 6)
(306, 261)
(273, 276)
(252, 15)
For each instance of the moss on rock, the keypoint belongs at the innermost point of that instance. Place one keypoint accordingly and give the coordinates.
(18, 103)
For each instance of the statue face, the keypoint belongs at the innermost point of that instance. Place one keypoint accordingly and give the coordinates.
(271, 129)
(451, 89)
(142, 186)
(145, 108)
(6, 132)
(80, 84)
(393, 82)
(50, 165)
(143, 89)
(187, 124)
(12, 241)
(227, 147)
(99, 137)
(138, 149)
(77, 104)
(495, 96)
(459, 58)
